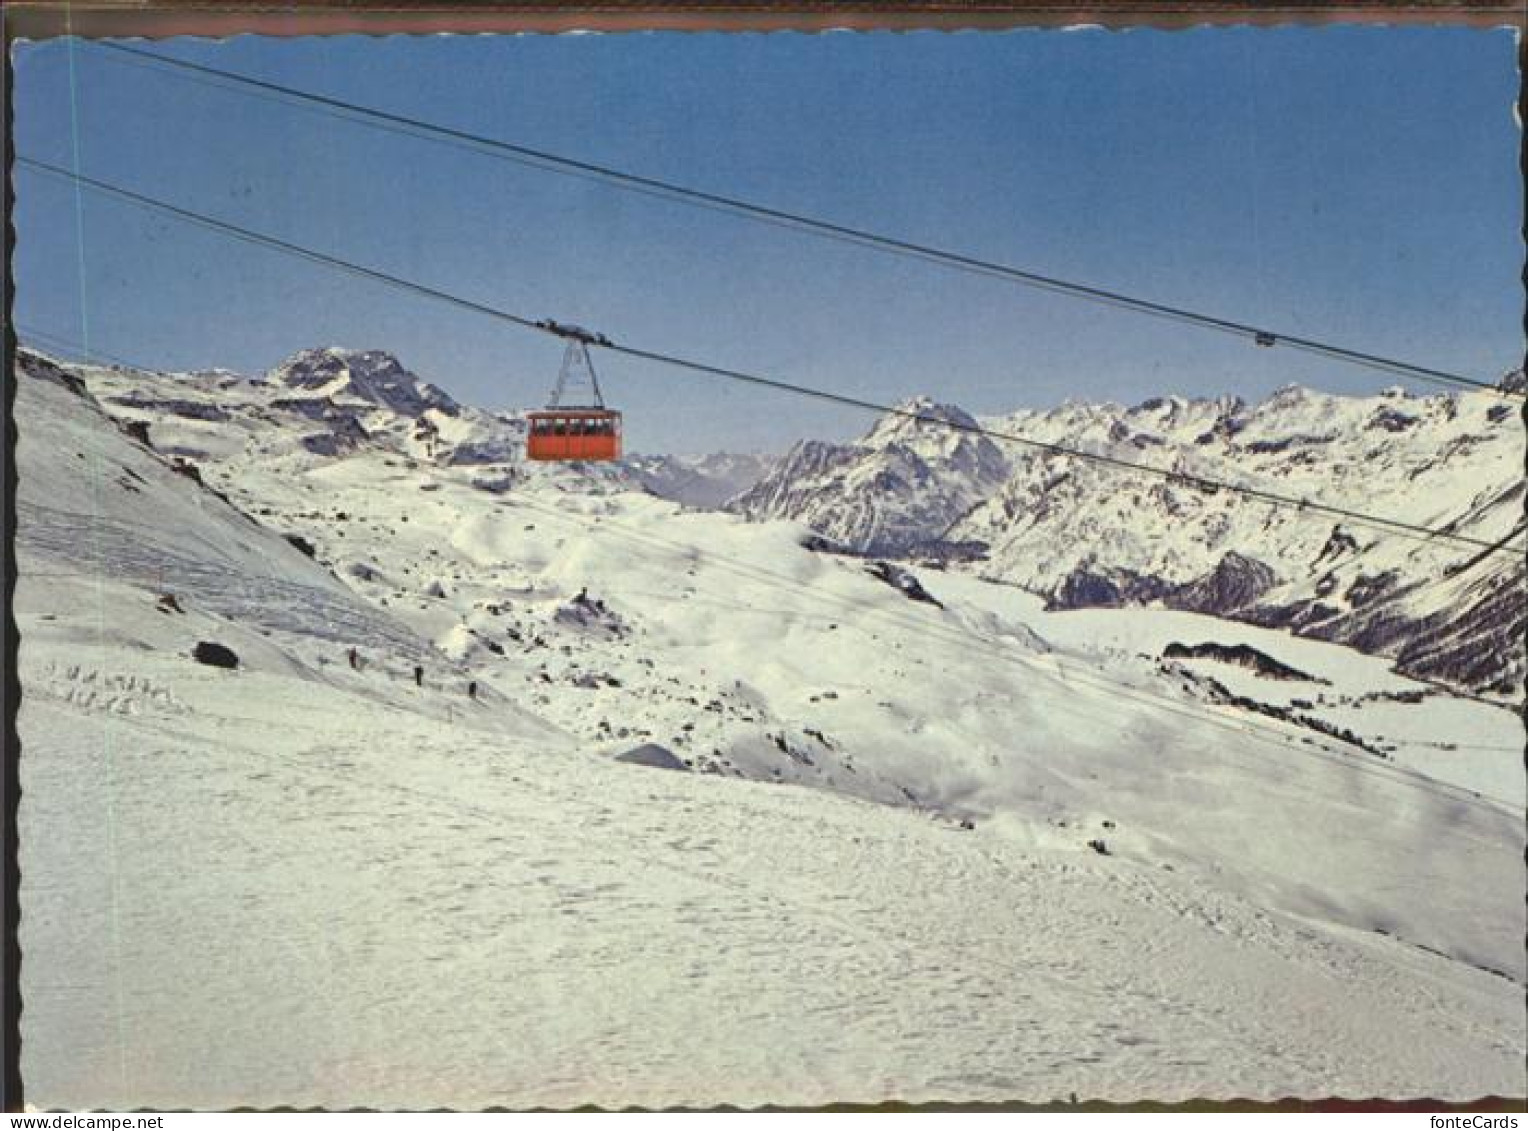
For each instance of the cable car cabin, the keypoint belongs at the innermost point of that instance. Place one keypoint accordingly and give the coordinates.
(574, 434)
(584, 429)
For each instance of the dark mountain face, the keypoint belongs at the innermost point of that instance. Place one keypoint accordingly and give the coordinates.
(898, 489)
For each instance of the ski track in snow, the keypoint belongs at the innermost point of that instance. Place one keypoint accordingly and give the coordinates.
(97, 543)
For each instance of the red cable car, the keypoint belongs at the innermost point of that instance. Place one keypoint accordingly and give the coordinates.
(577, 431)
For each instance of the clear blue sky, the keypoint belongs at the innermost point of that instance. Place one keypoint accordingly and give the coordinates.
(1354, 184)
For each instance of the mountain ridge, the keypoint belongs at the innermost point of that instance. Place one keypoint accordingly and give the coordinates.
(1084, 536)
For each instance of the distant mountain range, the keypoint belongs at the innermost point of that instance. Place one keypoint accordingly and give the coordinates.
(1084, 535)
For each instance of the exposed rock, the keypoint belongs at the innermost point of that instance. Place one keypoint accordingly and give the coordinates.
(345, 434)
(313, 408)
(1091, 587)
(940, 552)
(302, 544)
(903, 580)
(495, 484)
(1234, 583)
(1338, 543)
(1366, 589)
(136, 430)
(1284, 443)
(652, 755)
(591, 615)
(215, 655)
(33, 364)
(1479, 646)
(817, 544)
(1242, 655)
(1392, 420)
(170, 406)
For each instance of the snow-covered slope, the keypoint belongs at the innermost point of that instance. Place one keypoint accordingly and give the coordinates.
(386, 870)
(904, 484)
(1087, 535)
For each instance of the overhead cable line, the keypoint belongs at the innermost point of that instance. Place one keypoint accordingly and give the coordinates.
(545, 326)
(1202, 483)
(670, 190)
(81, 355)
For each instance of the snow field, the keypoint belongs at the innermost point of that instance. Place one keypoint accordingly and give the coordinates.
(437, 900)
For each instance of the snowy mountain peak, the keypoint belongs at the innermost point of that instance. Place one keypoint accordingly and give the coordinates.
(1289, 396)
(1176, 410)
(908, 419)
(914, 441)
(372, 376)
(899, 488)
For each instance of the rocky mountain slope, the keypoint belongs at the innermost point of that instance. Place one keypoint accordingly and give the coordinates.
(334, 399)
(898, 488)
(1086, 535)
